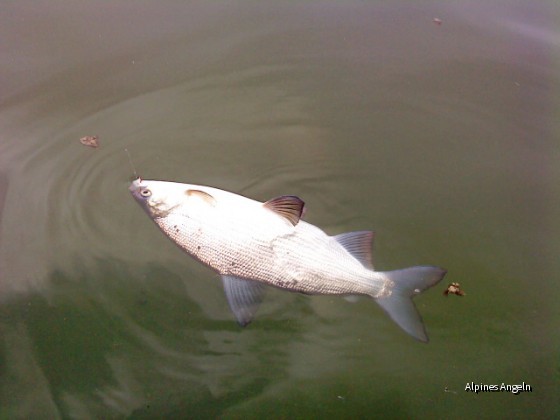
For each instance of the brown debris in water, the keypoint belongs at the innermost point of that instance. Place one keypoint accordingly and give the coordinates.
(454, 289)
(90, 141)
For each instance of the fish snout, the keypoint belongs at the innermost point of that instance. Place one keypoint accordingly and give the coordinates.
(135, 185)
(139, 191)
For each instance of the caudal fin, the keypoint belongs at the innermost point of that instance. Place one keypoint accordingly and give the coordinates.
(398, 304)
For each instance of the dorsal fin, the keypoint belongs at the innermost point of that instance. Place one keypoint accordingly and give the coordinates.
(287, 206)
(244, 297)
(359, 244)
(203, 195)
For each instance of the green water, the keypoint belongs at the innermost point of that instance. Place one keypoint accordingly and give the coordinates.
(441, 138)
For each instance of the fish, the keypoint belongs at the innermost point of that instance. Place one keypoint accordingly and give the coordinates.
(252, 245)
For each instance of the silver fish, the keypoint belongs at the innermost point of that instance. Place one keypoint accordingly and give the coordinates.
(253, 244)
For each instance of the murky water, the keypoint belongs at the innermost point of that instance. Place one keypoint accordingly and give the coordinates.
(441, 136)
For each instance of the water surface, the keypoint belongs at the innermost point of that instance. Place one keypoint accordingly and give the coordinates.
(443, 138)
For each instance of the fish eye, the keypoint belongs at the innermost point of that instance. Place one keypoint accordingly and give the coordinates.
(145, 192)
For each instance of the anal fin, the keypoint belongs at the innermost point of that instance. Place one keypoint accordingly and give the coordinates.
(359, 244)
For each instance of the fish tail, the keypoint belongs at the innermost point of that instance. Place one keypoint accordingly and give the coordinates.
(404, 285)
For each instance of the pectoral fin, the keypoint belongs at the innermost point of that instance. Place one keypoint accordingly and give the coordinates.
(202, 195)
(244, 297)
(287, 206)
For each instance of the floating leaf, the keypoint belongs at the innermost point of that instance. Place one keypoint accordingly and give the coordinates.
(454, 289)
(90, 141)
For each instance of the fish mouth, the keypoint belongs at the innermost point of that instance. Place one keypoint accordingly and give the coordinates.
(155, 208)
(135, 184)
(135, 188)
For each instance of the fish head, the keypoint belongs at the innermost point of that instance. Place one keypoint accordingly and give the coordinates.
(157, 198)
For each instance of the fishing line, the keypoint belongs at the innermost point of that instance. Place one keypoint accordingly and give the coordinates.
(131, 164)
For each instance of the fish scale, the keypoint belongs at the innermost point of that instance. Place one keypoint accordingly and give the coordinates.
(252, 244)
(280, 263)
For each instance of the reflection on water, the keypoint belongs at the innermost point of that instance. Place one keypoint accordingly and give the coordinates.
(96, 345)
(439, 137)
